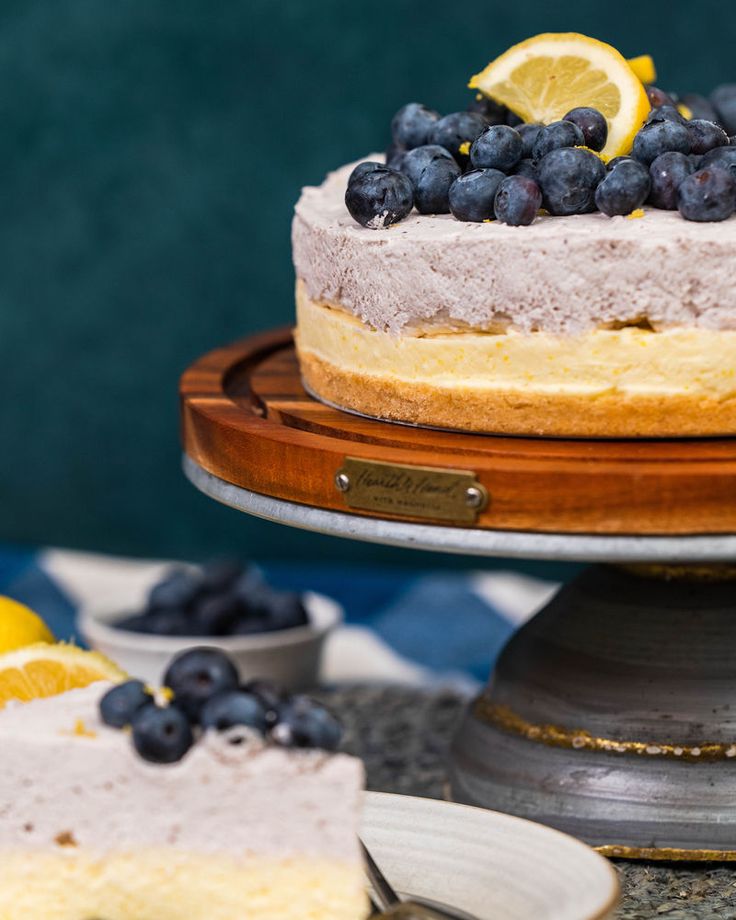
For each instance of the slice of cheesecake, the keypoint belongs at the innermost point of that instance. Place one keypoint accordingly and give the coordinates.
(90, 830)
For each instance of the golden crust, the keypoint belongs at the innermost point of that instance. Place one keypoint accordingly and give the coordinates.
(513, 411)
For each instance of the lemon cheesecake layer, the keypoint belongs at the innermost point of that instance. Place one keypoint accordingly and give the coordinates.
(168, 884)
(88, 829)
(629, 381)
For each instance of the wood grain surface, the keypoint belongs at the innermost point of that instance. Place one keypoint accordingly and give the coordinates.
(247, 419)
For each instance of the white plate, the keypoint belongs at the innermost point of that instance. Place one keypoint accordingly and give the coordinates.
(490, 865)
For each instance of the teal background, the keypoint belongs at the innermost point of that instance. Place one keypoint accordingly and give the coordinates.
(150, 156)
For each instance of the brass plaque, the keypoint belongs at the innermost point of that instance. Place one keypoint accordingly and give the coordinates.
(411, 491)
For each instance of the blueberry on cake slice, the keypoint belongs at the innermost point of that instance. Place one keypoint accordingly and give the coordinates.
(209, 800)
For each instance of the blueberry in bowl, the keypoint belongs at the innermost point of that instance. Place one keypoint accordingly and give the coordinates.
(268, 633)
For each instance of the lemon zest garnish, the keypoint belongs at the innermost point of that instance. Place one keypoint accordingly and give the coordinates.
(80, 728)
(685, 111)
(464, 148)
(639, 212)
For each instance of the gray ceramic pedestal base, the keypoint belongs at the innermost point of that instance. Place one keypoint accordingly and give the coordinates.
(612, 716)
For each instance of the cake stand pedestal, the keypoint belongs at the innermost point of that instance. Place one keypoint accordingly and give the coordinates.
(612, 713)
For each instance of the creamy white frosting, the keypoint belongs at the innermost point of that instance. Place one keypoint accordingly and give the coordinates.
(560, 275)
(59, 786)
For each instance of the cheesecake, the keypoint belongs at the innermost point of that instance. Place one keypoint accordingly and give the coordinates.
(230, 831)
(583, 325)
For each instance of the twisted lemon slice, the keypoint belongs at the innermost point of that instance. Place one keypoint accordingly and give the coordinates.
(544, 77)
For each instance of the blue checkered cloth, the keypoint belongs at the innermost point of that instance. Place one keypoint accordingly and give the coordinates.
(438, 621)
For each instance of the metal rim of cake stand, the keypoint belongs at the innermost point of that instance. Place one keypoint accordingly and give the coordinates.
(557, 547)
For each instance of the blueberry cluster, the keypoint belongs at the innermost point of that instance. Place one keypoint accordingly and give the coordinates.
(223, 598)
(206, 695)
(484, 164)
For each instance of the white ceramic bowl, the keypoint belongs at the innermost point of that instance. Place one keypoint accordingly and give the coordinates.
(290, 657)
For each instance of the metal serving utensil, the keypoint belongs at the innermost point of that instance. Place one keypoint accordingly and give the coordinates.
(392, 906)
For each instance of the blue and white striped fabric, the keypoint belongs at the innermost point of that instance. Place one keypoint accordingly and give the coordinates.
(402, 626)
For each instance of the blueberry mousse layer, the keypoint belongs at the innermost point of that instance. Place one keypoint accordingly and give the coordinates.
(208, 800)
(586, 324)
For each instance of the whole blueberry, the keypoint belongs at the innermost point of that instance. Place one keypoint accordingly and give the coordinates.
(666, 113)
(454, 130)
(234, 707)
(178, 589)
(362, 169)
(286, 610)
(700, 107)
(303, 723)
(528, 134)
(526, 168)
(432, 189)
(518, 200)
(271, 696)
(411, 125)
(624, 189)
(431, 170)
(568, 178)
(667, 173)
(493, 112)
(556, 136)
(705, 136)
(139, 622)
(620, 159)
(723, 100)
(249, 585)
(251, 623)
(593, 125)
(120, 704)
(473, 194)
(170, 621)
(161, 735)
(220, 574)
(394, 156)
(498, 147)
(379, 198)
(707, 195)
(417, 160)
(721, 156)
(658, 97)
(660, 137)
(216, 614)
(198, 674)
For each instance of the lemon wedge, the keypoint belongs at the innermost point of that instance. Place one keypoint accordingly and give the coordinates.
(643, 67)
(20, 626)
(544, 77)
(44, 669)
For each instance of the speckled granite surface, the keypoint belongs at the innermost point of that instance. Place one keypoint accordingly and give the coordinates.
(403, 736)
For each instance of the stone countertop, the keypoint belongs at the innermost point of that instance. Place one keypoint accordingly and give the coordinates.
(403, 737)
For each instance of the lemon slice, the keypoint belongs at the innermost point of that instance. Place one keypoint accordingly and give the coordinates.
(643, 67)
(544, 77)
(42, 670)
(19, 625)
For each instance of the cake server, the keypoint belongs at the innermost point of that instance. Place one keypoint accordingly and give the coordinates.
(392, 906)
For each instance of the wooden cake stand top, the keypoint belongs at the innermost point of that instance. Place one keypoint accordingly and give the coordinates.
(247, 420)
